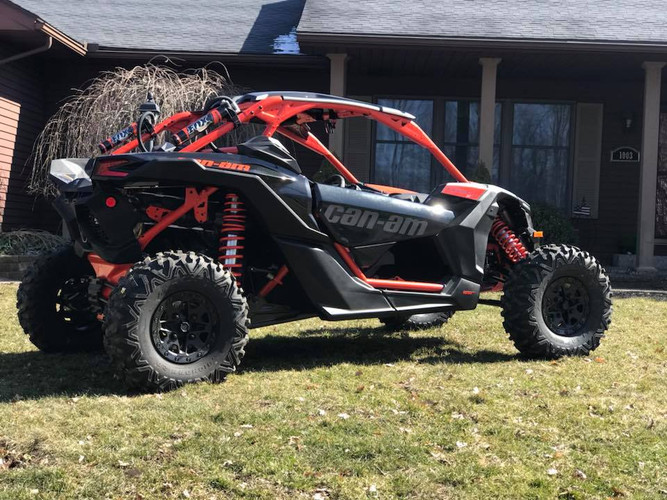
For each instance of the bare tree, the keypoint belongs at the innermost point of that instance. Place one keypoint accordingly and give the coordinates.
(108, 104)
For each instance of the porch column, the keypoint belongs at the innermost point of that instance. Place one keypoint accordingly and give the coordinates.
(649, 166)
(487, 110)
(337, 84)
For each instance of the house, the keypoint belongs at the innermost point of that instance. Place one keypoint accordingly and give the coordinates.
(562, 102)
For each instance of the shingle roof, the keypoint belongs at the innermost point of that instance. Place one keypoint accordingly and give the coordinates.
(224, 26)
(564, 20)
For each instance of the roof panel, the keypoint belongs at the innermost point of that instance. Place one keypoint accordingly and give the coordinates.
(320, 98)
(566, 20)
(224, 26)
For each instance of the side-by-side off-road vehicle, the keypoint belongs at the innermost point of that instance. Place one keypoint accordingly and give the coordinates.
(178, 248)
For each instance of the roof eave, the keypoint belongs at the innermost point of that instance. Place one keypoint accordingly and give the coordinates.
(138, 53)
(357, 40)
(67, 41)
(40, 25)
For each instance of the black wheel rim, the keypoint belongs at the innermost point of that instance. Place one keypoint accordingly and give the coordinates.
(184, 327)
(73, 305)
(566, 306)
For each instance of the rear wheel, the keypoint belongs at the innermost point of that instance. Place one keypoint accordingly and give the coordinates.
(557, 302)
(417, 321)
(173, 319)
(53, 304)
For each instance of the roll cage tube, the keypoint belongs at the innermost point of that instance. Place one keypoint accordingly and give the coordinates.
(400, 124)
(274, 111)
(171, 124)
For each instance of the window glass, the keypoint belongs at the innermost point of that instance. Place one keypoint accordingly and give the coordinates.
(398, 161)
(540, 175)
(541, 152)
(541, 125)
(462, 136)
(404, 165)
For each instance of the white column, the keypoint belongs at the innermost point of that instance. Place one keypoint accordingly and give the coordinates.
(649, 166)
(487, 110)
(337, 84)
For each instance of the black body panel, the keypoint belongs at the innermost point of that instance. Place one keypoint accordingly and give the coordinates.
(330, 286)
(269, 149)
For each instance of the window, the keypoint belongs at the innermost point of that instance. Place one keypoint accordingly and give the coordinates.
(531, 153)
(398, 161)
(462, 137)
(541, 152)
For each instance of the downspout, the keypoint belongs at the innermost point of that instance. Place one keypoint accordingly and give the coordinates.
(28, 53)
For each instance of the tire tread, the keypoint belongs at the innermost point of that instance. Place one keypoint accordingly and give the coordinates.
(519, 300)
(122, 316)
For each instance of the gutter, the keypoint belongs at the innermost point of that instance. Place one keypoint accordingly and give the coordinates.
(28, 53)
(481, 43)
(66, 40)
(316, 61)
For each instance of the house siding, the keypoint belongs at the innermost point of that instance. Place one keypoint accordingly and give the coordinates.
(21, 120)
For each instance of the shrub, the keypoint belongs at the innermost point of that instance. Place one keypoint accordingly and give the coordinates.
(556, 226)
(26, 242)
(627, 244)
(481, 174)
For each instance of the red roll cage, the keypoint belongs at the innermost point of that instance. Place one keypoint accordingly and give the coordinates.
(275, 109)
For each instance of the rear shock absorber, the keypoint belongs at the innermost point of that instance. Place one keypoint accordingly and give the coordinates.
(232, 235)
(508, 241)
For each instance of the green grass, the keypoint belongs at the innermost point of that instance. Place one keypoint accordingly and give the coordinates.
(348, 411)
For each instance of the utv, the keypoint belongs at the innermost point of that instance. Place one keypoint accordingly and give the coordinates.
(178, 249)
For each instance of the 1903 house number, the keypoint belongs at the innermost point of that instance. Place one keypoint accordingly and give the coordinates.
(625, 154)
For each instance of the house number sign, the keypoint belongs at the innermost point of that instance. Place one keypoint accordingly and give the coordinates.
(625, 154)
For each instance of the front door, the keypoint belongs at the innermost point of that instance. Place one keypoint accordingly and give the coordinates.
(661, 198)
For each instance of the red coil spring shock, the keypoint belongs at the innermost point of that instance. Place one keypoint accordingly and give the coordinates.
(508, 241)
(230, 251)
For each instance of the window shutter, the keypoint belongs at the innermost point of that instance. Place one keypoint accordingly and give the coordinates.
(587, 156)
(358, 142)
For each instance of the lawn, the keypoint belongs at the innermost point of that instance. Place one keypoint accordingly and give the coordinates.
(348, 410)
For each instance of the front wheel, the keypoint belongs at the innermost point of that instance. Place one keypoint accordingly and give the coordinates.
(175, 318)
(557, 302)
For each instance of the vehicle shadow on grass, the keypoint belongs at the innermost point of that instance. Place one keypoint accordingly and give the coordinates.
(365, 346)
(34, 375)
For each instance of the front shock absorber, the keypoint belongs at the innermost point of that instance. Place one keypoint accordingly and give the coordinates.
(232, 235)
(508, 241)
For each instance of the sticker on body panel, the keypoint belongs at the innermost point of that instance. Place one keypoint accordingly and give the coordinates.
(370, 219)
(226, 165)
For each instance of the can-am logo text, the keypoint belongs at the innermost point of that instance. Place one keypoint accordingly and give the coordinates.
(369, 219)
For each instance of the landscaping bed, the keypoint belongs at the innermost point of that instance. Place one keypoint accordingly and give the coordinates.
(19, 249)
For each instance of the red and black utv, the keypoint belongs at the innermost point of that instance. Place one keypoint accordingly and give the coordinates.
(178, 249)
